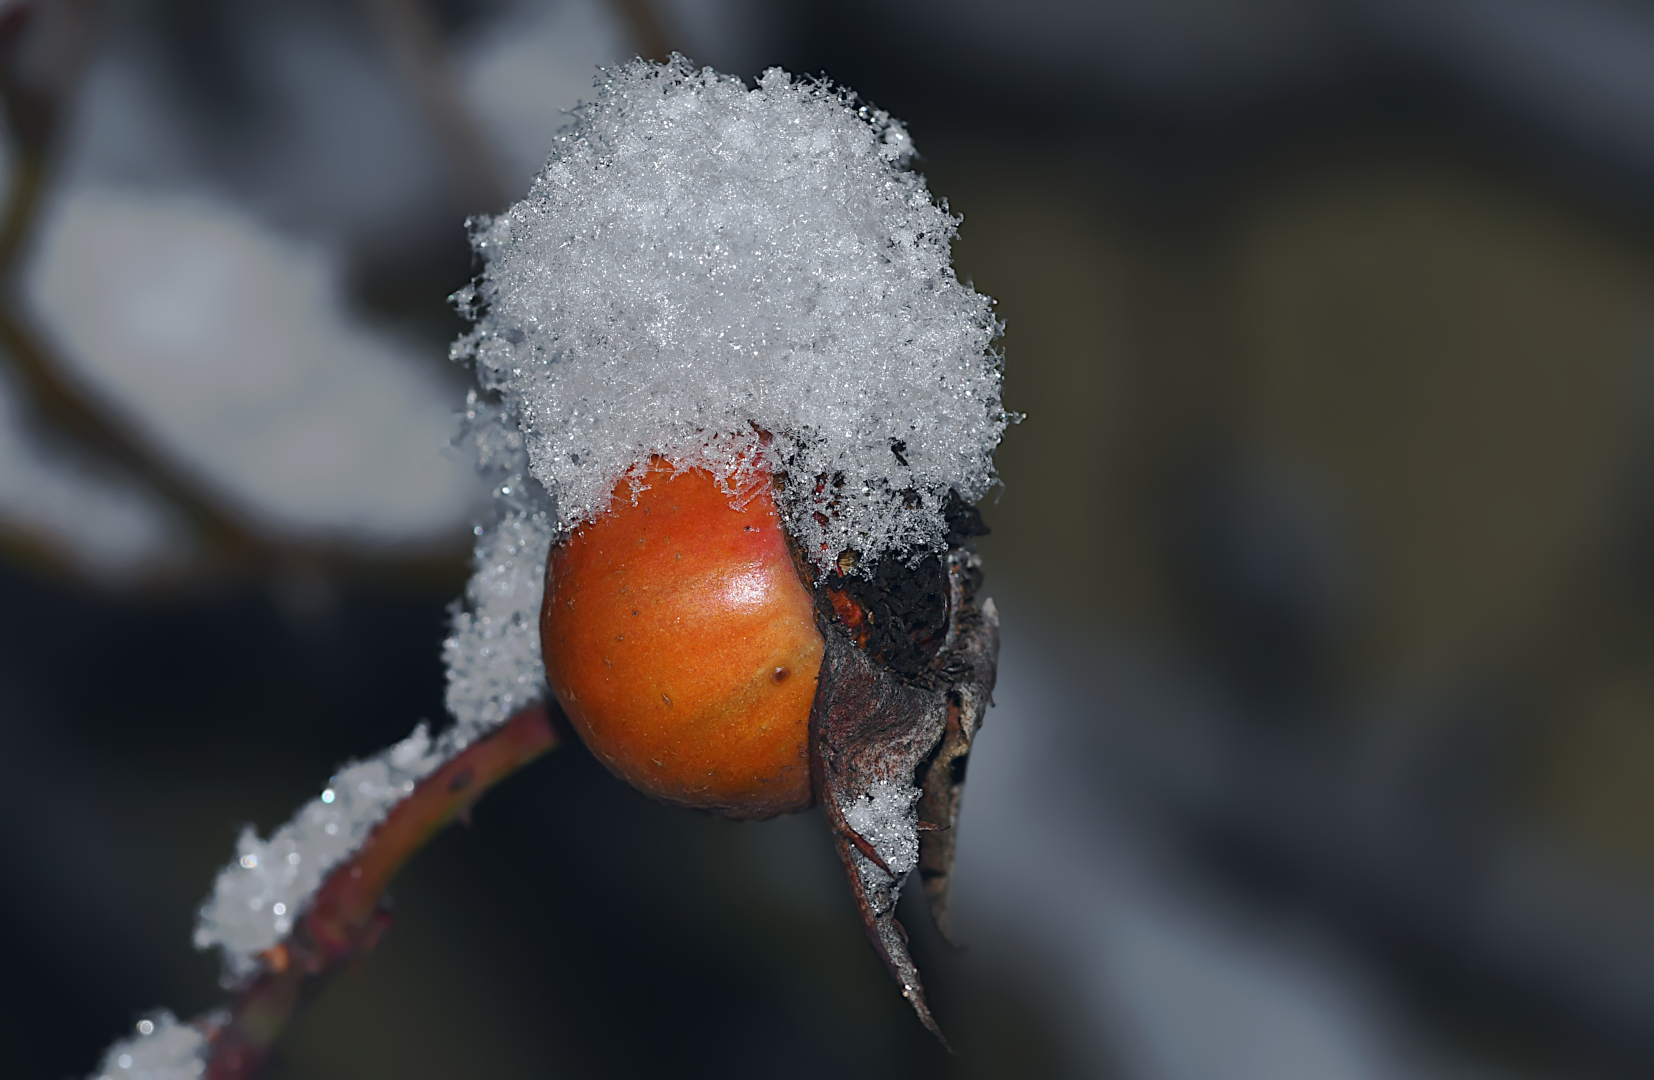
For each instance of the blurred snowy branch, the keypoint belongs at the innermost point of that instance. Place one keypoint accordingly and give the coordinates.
(182, 392)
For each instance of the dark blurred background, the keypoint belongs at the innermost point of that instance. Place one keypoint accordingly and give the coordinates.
(1324, 744)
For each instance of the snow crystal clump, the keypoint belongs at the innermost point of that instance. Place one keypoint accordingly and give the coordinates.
(884, 816)
(700, 265)
(162, 1049)
(259, 896)
(493, 653)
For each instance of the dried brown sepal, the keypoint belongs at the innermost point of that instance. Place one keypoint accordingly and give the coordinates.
(973, 650)
(868, 728)
(888, 740)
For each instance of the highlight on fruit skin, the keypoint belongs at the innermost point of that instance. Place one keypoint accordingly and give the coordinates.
(681, 643)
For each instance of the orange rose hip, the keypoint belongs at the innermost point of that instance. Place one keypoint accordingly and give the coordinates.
(682, 644)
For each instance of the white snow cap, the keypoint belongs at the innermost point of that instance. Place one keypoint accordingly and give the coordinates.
(699, 263)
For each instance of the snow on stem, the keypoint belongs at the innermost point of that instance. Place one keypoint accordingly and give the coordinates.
(343, 920)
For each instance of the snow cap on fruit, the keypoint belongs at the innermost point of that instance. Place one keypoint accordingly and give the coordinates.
(700, 263)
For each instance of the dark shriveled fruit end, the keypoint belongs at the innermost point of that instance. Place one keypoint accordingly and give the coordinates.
(902, 728)
(693, 654)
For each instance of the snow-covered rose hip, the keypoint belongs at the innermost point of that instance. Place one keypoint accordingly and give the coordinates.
(682, 644)
(750, 284)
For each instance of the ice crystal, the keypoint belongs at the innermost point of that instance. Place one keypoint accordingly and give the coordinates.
(885, 817)
(82, 512)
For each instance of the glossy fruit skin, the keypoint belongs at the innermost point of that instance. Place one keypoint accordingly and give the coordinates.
(682, 644)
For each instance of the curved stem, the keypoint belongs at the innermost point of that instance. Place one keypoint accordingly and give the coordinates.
(346, 919)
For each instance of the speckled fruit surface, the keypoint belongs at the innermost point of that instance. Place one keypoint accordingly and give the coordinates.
(682, 643)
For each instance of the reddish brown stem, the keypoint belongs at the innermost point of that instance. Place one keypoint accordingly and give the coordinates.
(345, 919)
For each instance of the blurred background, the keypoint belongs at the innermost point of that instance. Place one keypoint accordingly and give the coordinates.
(1324, 744)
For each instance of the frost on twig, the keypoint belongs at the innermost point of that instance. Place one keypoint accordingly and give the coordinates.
(337, 912)
(258, 898)
(494, 672)
(345, 917)
(493, 652)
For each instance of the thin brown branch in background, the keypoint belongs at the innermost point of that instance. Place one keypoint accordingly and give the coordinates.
(643, 19)
(347, 918)
(99, 428)
(417, 41)
(44, 48)
(42, 52)
(28, 179)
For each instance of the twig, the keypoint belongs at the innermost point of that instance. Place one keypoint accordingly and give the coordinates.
(231, 545)
(86, 420)
(43, 48)
(28, 179)
(346, 919)
(33, 88)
